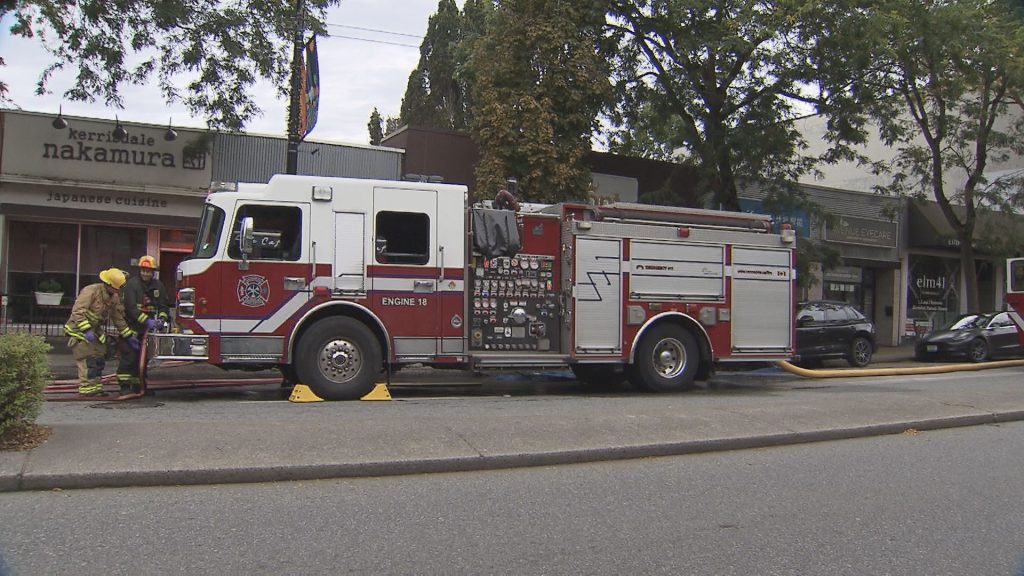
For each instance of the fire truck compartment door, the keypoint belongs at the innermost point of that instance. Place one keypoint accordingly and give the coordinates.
(349, 252)
(598, 295)
(762, 300)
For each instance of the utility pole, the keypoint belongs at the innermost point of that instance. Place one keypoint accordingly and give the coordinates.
(295, 93)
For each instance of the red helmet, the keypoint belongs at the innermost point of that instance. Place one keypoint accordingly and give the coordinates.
(147, 262)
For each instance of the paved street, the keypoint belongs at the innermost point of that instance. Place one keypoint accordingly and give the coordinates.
(241, 435)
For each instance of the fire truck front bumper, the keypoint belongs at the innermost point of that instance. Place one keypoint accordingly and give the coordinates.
(179, 347)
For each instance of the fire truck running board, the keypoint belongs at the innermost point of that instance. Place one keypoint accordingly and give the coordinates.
(519, 361)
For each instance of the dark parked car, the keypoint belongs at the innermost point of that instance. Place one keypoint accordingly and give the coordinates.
(976, 337)
(826, 330)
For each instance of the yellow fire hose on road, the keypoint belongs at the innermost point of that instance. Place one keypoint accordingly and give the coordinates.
(855, 372)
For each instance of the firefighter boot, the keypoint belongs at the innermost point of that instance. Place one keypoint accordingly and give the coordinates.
(129, 384)
(91, 388)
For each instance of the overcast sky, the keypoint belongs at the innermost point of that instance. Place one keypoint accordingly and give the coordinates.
(355, 75)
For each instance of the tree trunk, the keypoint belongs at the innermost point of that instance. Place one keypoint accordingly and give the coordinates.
(967, 268)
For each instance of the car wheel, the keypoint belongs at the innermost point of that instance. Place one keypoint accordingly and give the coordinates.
(978, 351)
(860, 352)
(339, 359)
(666, 360)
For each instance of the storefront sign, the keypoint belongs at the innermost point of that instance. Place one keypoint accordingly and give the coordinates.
(932, 290)
(87, 151)
(843, 274)
(863, 231)
(108, 201)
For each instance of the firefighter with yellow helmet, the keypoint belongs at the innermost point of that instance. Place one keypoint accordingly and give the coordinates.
(146, 307)
(96, 305)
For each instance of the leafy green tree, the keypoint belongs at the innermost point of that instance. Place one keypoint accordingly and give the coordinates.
(376, 127)
(206, 54)
(392, 124)
(436, 95)
(539, 83)
(939, 88)
(718, 83)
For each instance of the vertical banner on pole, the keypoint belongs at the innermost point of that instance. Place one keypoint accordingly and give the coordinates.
(310, 100)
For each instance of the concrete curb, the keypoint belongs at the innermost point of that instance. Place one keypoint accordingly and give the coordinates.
(20, 482)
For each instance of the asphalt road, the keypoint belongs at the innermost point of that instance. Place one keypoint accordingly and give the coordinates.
(938, 503)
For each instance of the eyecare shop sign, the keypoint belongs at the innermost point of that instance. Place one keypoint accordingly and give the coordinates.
(87, 151)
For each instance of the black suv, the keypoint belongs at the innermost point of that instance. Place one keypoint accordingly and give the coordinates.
(826, 329)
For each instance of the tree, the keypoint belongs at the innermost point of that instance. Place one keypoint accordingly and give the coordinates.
(437, 94)
(718, 83)
(376, 127)
(203, 53)
(939, 88)
(391, 125)
(539, 83)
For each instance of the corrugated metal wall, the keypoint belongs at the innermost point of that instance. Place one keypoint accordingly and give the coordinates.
(249, 158)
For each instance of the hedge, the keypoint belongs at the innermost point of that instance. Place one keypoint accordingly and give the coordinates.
(24, 373)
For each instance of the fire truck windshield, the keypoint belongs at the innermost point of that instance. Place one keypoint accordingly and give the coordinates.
(210, 225)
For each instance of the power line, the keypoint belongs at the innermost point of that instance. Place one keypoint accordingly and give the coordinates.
(417, 36)
(373, 41)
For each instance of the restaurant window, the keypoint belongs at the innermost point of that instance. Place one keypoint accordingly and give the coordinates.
(109, 247)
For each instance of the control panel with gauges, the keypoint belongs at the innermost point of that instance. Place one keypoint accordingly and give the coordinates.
(514, 303)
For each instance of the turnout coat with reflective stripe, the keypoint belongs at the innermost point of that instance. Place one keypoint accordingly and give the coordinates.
(93, 307)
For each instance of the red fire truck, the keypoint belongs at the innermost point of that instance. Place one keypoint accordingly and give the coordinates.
(1015, 293)
(335, 281)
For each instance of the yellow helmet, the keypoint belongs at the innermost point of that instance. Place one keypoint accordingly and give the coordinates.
(113, 277)
(147, 262)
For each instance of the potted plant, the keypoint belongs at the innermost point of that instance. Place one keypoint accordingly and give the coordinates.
(49, 293)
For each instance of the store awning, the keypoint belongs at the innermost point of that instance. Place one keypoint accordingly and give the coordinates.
(930, 229)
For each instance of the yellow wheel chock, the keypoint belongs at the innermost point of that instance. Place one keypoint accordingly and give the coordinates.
(302, 393)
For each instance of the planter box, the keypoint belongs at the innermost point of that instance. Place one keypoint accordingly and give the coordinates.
(48, 298)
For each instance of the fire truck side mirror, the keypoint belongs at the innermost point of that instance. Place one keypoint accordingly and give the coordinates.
(245, 238)
(245, 242)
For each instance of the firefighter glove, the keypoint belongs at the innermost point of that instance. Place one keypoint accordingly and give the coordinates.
(133, 341)
(149, 324)
(161, 325)
(90, 336)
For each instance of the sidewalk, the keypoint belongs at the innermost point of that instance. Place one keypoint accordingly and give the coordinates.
(62, 365)
(152, 442)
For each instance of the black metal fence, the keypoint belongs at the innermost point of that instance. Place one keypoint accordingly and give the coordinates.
(25, 313)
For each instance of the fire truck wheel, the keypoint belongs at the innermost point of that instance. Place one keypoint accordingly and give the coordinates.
(599, 375)
(339, 359)
(666, 360)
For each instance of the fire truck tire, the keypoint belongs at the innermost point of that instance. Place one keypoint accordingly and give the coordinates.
(599, 375)
(339, 359)
(666, 360)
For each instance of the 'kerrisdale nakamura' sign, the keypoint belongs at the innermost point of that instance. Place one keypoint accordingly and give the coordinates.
(88, 151)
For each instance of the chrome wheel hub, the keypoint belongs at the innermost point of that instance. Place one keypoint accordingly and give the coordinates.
(339, 361)
(669, 358)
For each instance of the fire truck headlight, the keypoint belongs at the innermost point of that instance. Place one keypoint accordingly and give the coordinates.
(186, 303)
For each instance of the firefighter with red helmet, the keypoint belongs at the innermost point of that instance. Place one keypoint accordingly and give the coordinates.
(96, 305)
(147, 308)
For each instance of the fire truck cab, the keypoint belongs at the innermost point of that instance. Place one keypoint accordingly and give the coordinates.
(335, 280)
